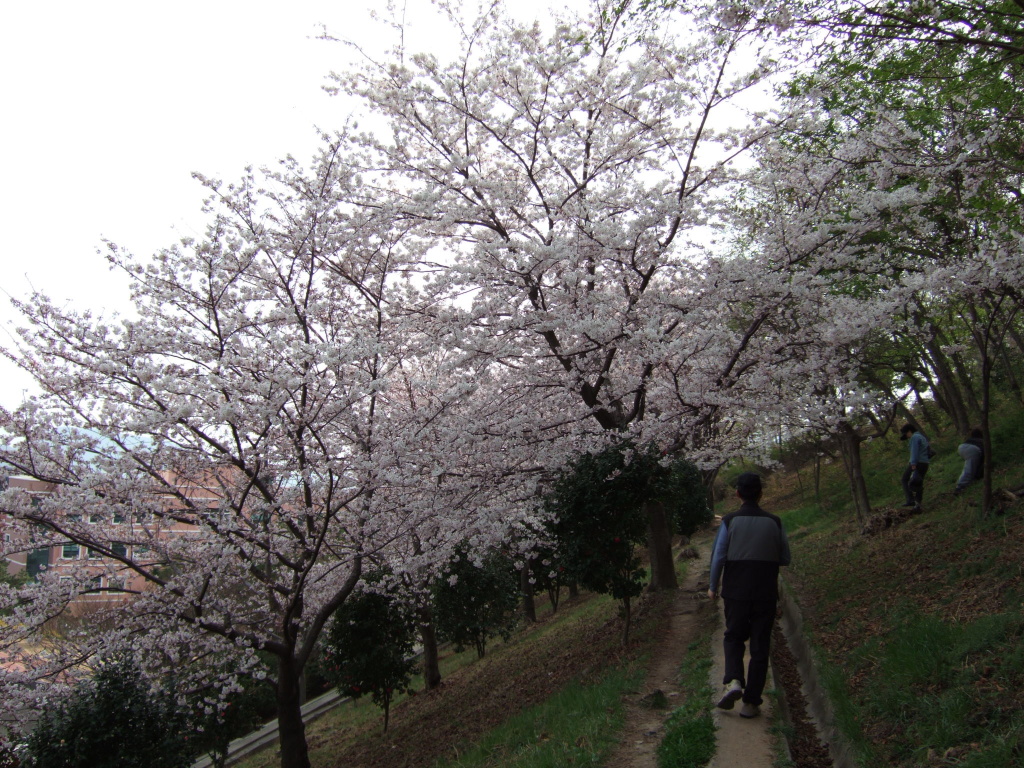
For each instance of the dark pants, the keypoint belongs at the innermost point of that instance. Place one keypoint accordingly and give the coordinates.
(748, 620)
(913, 483)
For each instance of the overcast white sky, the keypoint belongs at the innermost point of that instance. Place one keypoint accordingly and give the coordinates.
(108, 106)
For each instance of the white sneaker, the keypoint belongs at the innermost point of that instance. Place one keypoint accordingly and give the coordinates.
(749, 710)
(733, 693)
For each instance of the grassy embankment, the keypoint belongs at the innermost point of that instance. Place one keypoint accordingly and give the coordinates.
(551, 696)
(919, 628)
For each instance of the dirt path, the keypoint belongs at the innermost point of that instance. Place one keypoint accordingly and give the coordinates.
(740, 742)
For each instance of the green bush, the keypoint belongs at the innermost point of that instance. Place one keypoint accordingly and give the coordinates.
(475, 603)
(369, 649)
(114, 720)
(598, 504)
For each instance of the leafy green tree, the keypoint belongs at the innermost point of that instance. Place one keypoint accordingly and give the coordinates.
(233, 717)
(369, 649)
(476, 599)
(115, 720)
(600, 504)
(547, 573)
(681, 487)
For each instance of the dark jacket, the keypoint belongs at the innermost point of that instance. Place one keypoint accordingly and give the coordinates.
(750, 546)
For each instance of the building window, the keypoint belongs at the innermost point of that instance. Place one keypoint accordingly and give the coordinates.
(95, 518)
(120, 549)
(118, 519)
(94, 554)
(69, 552)
(36, 561)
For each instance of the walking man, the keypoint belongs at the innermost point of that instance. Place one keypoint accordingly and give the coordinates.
(913, 475)
(750, 546)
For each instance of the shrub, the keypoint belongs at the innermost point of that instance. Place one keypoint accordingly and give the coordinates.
(473, 603)
(115, 720)
(599, 506)
(369, 649)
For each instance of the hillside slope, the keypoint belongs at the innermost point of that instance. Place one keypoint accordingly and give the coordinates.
(918, 625)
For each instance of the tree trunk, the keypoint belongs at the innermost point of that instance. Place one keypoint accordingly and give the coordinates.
(986, 376)
(526, 587)
(627, 616)
(659, 547)
(817, 478)
(966, 382)
(1011, 374)
(707, 478)
(554, 593)
(1018, 340)
(922, 401)
(291, 729)
(431, 667)
(947, 387)
(849, 444)
(965, 374)
(988, 340)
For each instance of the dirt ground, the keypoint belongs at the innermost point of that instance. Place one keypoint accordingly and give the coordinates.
(644, 728)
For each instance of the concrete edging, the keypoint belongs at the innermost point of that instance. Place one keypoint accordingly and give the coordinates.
(819, 705)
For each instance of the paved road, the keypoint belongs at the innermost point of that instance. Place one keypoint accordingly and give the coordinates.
(243, 747)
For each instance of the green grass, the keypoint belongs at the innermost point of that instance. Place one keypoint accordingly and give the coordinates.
(689, 740)
(928, 666)
(578, 726)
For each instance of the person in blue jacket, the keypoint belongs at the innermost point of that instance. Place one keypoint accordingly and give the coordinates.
(749, 547)
(913, 475)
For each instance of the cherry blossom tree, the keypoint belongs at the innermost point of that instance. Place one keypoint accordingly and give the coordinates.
(235, 452)
(570, 170)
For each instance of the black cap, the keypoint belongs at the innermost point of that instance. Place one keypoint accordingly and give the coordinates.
(907, 429)
(748, 485)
